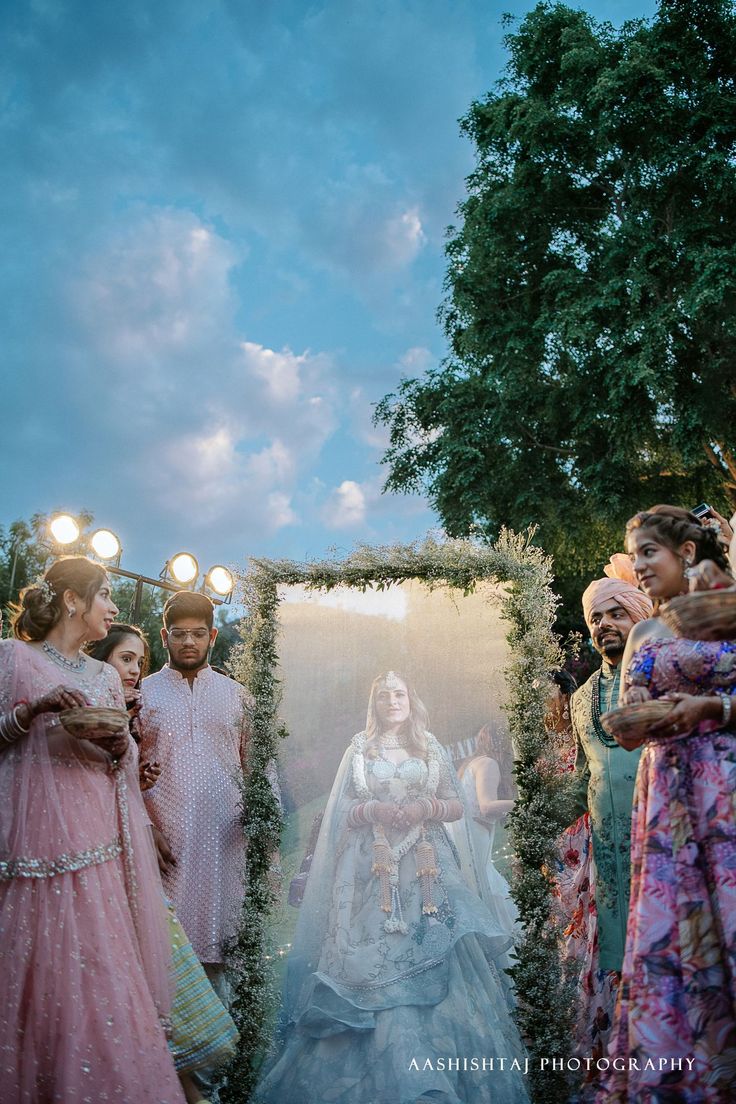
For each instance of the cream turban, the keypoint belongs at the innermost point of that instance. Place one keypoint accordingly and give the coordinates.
(633, 600)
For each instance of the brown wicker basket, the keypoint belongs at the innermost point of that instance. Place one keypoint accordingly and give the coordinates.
(703, 615)
(633, 721)
(93, 719)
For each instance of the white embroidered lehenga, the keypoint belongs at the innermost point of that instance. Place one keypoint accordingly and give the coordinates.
(382, 991)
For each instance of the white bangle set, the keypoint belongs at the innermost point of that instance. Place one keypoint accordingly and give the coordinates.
(10, 727)
(727, 706)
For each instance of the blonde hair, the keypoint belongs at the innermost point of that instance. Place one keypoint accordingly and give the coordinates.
(415, 727)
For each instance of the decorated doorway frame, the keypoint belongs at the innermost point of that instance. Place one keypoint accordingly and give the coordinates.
(528, 605)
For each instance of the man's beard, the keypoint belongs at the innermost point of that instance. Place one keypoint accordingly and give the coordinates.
(189, 664)
(613, 646)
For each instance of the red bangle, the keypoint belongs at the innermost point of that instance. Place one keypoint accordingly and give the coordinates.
(29, 707)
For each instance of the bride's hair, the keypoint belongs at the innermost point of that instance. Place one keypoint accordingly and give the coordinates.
(415, 727)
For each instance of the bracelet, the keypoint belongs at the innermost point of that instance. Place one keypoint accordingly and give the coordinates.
(727, 706)
(439, 809)
(426, 804)
(362, 814)
(10, 727)
(24, 729)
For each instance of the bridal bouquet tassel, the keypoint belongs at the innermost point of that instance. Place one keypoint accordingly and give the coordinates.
(426, 873)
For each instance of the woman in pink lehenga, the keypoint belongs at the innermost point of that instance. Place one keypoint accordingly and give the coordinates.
(84, 949)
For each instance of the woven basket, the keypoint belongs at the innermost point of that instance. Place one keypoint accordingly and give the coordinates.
(93, 719)
(703, 615)
(634, 721)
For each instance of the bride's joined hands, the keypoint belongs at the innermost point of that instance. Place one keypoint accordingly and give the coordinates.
(407, 816)
(384, 813)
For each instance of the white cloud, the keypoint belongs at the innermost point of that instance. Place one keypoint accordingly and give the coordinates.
(279, 371)
(415, 360)
(159, 287)
(273, 464)
(404, 237)
(280, 512)
(346, 506)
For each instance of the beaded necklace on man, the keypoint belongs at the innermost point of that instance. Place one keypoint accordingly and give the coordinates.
(615, 682)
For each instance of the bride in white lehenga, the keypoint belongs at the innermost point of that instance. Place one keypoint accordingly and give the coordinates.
(393, 969)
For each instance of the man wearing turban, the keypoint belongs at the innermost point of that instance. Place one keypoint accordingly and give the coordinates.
(605, 771)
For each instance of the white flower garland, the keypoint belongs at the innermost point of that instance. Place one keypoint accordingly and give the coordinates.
(395, 923)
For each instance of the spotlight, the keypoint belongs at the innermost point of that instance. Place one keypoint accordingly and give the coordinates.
(220, 580)
(105, 544)
(184, 568)
(64, 529)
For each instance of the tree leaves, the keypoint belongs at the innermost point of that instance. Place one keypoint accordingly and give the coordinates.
(591, 288)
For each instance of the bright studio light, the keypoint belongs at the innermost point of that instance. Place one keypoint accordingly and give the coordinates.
(184, 568)
(220, 580)
(105, 544)
(64, 529)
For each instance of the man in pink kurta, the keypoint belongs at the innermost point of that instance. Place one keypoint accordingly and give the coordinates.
(194, 722)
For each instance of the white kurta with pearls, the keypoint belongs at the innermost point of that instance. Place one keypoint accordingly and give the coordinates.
(199, 735)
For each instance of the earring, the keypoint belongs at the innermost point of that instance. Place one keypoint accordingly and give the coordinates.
(71, 610)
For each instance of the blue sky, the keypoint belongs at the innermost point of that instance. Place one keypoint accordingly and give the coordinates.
(223, 225)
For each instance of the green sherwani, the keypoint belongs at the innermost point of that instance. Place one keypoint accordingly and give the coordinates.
(606, 776)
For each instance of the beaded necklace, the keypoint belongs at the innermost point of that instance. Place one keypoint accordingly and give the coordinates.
(598, 728)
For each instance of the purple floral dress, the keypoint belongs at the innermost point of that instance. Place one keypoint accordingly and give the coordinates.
(674, 1036)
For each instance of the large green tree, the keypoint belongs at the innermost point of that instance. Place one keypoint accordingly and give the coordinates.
(591, 289)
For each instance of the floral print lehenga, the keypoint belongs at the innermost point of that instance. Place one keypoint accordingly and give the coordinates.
(678, 988)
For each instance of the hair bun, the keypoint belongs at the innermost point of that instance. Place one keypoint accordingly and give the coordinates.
(37, 612)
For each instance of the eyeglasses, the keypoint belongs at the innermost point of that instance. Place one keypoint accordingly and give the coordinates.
(180, 635)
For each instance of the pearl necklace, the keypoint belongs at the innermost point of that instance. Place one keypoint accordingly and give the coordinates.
(60, 660)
